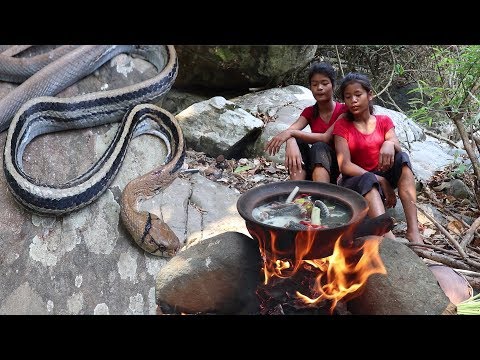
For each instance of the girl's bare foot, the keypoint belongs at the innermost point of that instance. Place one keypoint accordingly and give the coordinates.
(414, 237)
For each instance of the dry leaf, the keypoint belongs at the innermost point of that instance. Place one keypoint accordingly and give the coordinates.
(455, 226)
(428, 232)
(422, 219)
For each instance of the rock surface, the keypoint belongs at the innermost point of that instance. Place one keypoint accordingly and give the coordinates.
(219, 275)
(408, 288)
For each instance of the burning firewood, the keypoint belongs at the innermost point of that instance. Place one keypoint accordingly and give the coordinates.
(378, 226)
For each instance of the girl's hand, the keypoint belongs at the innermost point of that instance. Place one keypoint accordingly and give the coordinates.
(390, 197)
(387, 156)
(273, 146)
(293, 157)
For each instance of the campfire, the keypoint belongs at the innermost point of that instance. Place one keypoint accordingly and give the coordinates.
(314, 270)
(302, 283)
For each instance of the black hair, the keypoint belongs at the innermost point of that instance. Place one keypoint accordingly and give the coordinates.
(323, 68)
(361, 79)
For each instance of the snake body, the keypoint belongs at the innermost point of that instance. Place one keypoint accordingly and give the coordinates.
(46, 114)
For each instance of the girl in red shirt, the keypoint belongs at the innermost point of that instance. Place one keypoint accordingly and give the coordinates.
(370, 157)
(311, 155)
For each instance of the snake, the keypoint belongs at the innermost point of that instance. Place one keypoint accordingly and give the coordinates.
(35, 111)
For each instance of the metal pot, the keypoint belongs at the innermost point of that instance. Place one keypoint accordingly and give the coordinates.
(307, 244)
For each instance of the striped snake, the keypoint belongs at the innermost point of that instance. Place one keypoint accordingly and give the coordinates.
(47, 114)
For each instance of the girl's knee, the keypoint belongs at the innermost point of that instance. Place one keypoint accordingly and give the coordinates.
(406, 173)
(372, 192)
(368, 180)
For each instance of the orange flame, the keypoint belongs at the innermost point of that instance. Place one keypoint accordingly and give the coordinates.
(340, 274)
(276, 260)
(345, 271)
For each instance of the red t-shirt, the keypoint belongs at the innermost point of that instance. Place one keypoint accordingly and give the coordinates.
(318, 125)
(364, 149)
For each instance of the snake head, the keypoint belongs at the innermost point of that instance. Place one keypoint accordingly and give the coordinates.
(159, 239)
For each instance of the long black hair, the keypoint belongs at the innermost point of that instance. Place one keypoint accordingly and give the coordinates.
(323, 68)
(354, 77)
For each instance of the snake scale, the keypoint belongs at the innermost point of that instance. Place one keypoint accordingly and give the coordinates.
(31, 110)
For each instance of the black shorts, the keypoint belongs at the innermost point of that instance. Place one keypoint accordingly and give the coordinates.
(319, 153)
(364, 183)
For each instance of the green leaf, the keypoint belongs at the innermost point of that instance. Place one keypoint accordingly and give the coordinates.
(399, 70)
(461, 169)
(242, 168)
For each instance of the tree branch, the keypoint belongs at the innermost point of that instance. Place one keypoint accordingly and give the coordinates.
(468, 237)
(391, 74)
(434, 247)
(443, 259)
(450, 239)
(339, 61)
(450, 142)
(457, 119)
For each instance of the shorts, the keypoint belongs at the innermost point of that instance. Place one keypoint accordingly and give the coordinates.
(319, 153)
(364, 183)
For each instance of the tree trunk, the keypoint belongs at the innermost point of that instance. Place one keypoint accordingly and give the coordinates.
(457, 120)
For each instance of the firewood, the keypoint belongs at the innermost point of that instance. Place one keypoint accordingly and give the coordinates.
(378, 226)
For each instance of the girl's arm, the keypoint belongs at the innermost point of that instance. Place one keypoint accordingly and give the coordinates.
(273, 146)
(392, 136)
(390, 146)
(295, 132)
(293, 157)
(311, 138)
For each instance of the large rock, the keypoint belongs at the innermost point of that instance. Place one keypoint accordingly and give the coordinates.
(218, 127)
(238, 67)
(84, 261)
(408, 288)
(281, 106)
(218, 275)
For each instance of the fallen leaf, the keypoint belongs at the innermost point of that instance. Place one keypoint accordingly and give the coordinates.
(423, 220)
(455, 226)
(242, 168)
(428, 232)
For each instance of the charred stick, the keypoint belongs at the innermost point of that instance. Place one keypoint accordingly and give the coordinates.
(379, 226)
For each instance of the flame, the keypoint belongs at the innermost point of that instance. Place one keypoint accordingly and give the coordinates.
(345, 271)
(275, 260)
(342, 273)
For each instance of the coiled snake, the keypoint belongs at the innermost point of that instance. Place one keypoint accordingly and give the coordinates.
(35, 114)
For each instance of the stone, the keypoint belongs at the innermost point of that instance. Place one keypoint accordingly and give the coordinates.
(408, 288)
(216, 275)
